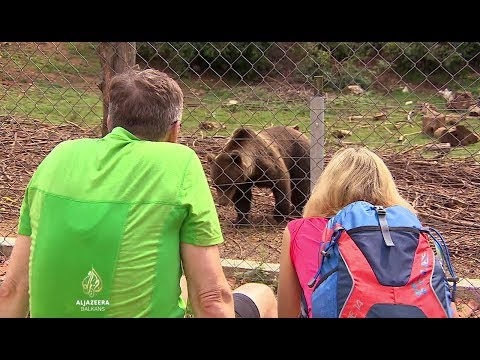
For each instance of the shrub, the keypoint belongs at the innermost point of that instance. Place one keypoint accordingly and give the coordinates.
(241, 59)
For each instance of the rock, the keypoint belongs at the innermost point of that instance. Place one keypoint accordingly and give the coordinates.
(380, 116)
(466, 310)
(474, 110)
(198, 92)
(357, 117)
(426, 108)
(210, 125)
(355, 89)
(6, 249)
(452, 119)
(432, 121)
(447, 94)
(459, 136)
(461, 101)
(439, 132)
(340, 134)
(442, 148)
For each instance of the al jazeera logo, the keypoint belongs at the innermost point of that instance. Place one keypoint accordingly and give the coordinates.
(92, 285)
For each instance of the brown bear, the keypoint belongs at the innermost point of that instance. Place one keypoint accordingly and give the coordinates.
(277, 158)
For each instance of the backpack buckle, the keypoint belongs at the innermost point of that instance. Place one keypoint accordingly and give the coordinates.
(382, 219)
(381, 210)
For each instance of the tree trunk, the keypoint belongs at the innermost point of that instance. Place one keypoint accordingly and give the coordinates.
(115, 58)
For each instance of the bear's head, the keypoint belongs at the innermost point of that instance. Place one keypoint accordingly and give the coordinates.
(227, 172)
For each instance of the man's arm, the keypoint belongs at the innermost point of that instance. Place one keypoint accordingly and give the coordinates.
(200, 234)
(14, 298)
(208, 290)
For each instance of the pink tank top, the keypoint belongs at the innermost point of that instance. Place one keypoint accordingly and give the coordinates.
(305, 237)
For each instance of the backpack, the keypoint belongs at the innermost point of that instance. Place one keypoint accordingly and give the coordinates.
(378, 262)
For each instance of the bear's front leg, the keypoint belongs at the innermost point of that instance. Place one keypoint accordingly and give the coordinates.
(281, 193)
(300, 194)
(243, 203)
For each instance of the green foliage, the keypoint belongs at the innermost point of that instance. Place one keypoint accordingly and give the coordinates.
(431, 58)
(244, 60)
(78, 99)
(350, 73)
(315, 62)
(439, 62)
(340, 63)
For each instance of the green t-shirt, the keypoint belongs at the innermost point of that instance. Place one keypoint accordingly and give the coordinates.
(106, 217)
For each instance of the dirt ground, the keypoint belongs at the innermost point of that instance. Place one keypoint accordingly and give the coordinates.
(446, 193)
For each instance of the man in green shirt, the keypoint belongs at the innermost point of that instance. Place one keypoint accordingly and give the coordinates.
(106, 224)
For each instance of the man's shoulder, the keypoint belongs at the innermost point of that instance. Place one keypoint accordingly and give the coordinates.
(73, 144)
(174, 152)
(57, 157)
(67, 147)
(169, 146)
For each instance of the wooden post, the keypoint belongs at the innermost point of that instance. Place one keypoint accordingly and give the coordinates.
(115, 58)
(317, 133)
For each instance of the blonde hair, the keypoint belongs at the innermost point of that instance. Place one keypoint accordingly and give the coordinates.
(353, 174)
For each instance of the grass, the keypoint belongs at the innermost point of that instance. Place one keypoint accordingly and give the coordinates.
(52, 103)
(66, 59)
(53, 100)
(51, 83)
(395, 132)
(259, 111)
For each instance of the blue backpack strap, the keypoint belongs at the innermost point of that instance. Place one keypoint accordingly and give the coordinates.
(325, 253)
(442, 249)
(382, 219)
(303, 306)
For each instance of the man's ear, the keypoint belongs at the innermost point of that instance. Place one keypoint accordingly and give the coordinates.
(172, 135)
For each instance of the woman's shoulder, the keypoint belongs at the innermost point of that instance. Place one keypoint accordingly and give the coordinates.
(314, 221)
(309, 220)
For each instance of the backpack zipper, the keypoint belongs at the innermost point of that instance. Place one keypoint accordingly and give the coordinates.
(335, 236)
(325, 277)
(377, 228)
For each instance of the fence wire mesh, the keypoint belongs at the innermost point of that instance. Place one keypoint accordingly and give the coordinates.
(415, 104)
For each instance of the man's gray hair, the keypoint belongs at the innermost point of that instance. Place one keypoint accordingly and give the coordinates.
(145, 103)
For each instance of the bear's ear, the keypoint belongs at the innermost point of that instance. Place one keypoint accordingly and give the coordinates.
(210, 158)
(243, 133)
(236, 157)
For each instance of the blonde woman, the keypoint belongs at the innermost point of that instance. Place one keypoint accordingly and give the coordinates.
(353, 174)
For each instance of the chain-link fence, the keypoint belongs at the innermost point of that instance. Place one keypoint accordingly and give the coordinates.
(415, 104)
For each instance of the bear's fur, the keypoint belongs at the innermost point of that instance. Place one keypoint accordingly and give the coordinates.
(277, 158)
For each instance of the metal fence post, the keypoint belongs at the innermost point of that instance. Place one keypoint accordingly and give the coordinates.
(317, 132)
